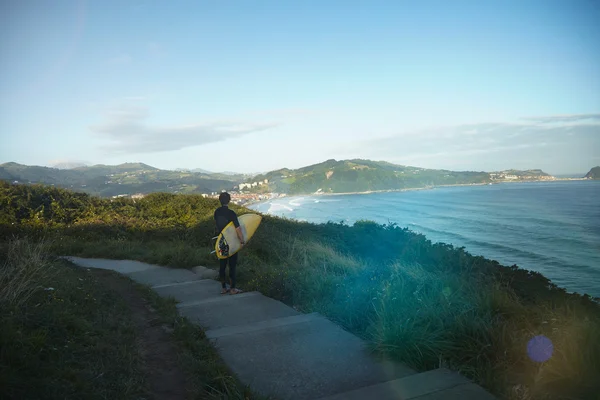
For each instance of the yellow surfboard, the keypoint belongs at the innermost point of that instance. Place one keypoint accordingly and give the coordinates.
(228, 237)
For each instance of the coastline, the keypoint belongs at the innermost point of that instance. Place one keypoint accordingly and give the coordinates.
(498, 246)
(413, 189)
(393, 190)
(435, 187)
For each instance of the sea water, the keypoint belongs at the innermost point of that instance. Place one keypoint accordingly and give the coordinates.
(549, 227)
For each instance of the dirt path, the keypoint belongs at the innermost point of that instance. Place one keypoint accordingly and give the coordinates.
(166, 380)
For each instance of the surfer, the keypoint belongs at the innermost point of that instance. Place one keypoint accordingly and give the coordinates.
(223, 216)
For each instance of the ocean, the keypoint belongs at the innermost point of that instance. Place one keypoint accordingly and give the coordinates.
(549, 227)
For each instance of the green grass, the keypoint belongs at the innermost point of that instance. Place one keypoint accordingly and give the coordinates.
(172, 253)
(63, 336)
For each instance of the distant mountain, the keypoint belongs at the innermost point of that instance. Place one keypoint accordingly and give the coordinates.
(359, 175)
(112, 180)
(593, 174)
(228, 173)
(200, 170)
(330, 176)
(233, 175)
(68, 165)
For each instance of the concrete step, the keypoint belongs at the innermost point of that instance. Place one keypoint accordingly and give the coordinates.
(140, 272)
(122, 266)
(215, 299)
(256, 326)
(163, 276)
(191, 291)
(302, 360)
(224, 311)
(436, 384)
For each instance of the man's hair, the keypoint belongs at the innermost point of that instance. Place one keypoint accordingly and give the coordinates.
(224, 198)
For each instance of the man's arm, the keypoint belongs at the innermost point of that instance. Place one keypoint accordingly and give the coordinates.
(238, 229)
(240, 235)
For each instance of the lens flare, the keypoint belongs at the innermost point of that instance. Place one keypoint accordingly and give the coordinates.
(540, 348)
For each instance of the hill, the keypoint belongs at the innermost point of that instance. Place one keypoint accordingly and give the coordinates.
(330, 176)
(122, 179)
(359, 175)
(593, 174)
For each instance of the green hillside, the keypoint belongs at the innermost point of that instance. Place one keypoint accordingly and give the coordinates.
(422, 303)
(114, 180)
(593, 174)
(359, 175)
(330, 176)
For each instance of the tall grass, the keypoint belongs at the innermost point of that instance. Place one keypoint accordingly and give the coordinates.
(429, 318)
(23, 265)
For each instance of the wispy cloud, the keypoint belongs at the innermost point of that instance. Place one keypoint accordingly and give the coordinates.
(565, 118)
(536, 140)
(287, 113)
(66, 163)
(127, 130)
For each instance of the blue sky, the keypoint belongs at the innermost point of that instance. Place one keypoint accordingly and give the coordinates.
(258, 85)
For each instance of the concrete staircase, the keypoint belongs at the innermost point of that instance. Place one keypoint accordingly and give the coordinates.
(285, 354)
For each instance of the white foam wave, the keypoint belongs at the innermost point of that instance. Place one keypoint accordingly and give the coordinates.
(295, 203)
(277, 206)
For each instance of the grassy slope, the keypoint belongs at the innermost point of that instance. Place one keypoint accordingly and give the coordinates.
(56, 343)
(77, 340)
(420, 302)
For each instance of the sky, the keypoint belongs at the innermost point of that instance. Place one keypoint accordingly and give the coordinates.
(253, 86)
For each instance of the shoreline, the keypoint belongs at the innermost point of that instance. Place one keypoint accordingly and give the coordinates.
(394, 190)
(436, 186)
(413, 189)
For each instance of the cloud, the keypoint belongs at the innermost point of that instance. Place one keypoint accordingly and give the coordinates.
(564, 118)
(480, 144)
(128, 132)
(66, 163)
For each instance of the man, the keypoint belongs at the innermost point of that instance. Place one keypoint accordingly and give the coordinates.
(223, 216)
